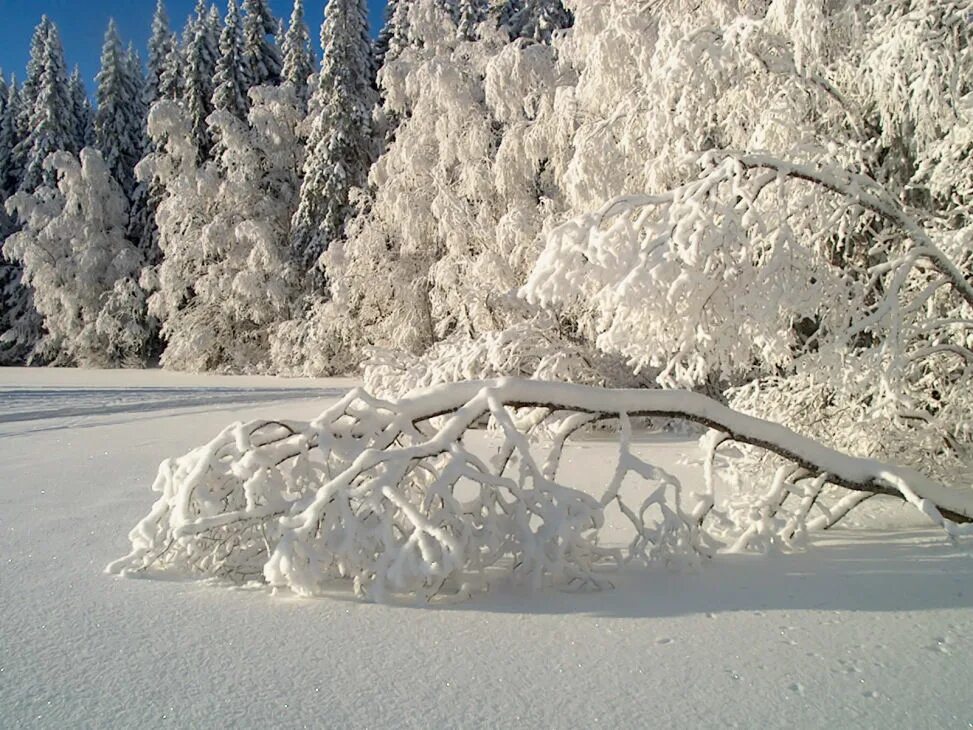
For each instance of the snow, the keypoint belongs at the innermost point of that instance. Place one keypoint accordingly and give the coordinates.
(865, 629)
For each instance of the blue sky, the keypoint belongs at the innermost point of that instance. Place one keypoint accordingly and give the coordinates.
(82, 24)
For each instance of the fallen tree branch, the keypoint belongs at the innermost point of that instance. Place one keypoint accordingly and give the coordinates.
(391, 496)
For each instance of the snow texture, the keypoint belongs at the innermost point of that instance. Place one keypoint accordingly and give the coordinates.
(862, 630)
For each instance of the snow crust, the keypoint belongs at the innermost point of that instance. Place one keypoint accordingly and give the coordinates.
(869, 629)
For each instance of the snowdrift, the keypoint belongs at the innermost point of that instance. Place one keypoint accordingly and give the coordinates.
(392, 496)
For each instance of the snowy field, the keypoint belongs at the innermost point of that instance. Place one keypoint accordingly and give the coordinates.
(868, 629)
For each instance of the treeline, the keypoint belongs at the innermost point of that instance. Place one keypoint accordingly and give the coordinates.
(185, 215)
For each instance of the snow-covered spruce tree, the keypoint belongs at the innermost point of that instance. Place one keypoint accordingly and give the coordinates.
(163, 80)
(135, 82)
(141, 227)
(231, 80)
(161, 43)
(84, 115)
(8, 139)
(29, 90)
(47, 125)
(202, 54)
(223, 283)
(118, 120)
(51, 114)
(8, 109)
(299, 61)
(260, 53)
(171, 79)
(391, 33)
(340, 145)
(19, 323)
(79, 265)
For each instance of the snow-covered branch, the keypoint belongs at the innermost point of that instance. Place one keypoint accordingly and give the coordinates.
(396, 497)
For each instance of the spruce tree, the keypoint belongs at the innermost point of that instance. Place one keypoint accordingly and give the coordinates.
(84, 116)
(51, 116)
(140, 224)
(171, 80)
(394, 34)
(199, 73)
(214, 27)
(118, 119)
(260, 54)
(298, 55)
(160, 45)
(135, 82)
(35, 68)
(9, 138)
(28, 93)
(6, 144)
(340, 147)
(231, 88)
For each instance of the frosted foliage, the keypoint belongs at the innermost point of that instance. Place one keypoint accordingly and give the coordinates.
(834, 260)
(80, 266)
(535, 349)
(393, 497)
(453, 207)
(318, 343)
(694, 283)
(223, 283)
(912, 387)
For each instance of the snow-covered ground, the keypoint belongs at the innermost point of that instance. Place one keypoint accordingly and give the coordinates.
(868, 629)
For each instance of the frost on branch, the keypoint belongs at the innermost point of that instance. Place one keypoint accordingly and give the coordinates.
(538, 349)
(738, 275)
(395, 497)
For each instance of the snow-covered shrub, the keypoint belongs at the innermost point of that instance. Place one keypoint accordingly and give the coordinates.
(81, 268)
(395, 497)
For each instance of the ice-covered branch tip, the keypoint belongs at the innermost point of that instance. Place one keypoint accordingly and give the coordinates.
(392, 495)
